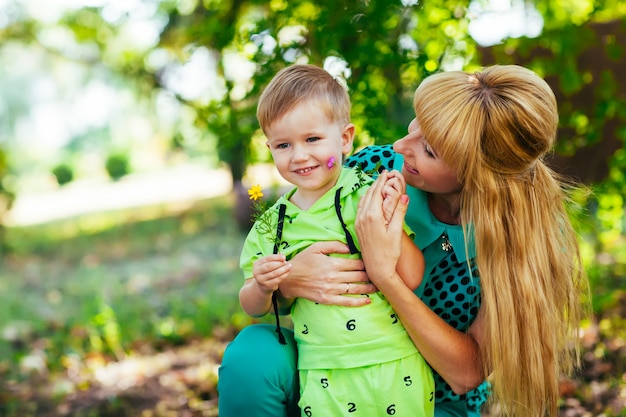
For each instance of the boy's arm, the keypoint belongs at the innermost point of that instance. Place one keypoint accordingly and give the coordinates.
(394, 187)
(254, 301)
(410, 265)
(268, 272)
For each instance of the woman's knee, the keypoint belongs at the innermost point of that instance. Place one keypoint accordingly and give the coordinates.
(257, 364)
(257, 347)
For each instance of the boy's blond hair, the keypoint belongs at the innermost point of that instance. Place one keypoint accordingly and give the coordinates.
(299, 83)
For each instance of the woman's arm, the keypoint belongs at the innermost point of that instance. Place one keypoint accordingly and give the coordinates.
(410, 265)
(323, 279)
(453, 354)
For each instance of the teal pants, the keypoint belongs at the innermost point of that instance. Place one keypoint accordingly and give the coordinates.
(259, 378)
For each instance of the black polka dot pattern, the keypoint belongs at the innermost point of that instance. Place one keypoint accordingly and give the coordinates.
(453, 293)
(373, 159)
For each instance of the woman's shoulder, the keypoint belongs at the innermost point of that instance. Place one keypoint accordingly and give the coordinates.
(373, 159)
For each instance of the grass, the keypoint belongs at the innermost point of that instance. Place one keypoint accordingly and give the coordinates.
(108, 282)
(115, 286)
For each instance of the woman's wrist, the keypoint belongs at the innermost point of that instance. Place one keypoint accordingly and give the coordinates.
(385, 279)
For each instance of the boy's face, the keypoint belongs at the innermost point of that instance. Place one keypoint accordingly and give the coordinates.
(304, 143)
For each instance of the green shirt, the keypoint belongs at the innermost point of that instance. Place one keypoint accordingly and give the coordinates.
(331, 337)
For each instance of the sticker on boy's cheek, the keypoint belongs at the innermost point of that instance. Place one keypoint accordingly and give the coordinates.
(331, 162)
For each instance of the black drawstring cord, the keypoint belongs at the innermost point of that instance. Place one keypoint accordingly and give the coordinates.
(279, 235)
(349, 238)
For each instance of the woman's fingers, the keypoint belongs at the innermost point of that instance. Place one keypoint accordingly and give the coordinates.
(380, 243)
(349, 294)
(322, 278)
(327, 248)
(315, 264)
(342, 300)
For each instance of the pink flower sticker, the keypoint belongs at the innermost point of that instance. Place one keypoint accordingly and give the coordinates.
(331, 162)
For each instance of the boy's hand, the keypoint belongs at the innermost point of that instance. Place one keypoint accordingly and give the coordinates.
(269, 271)
(393, 189)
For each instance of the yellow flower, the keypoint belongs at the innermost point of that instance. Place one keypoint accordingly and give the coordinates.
(255, 192)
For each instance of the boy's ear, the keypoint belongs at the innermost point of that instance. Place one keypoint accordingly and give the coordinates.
(347, 137)
(267, 144)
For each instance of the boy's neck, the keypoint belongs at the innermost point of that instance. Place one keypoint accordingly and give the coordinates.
(304, 199)
(302, 202)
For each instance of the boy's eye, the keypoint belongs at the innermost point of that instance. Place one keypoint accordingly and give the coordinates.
(282, 146)
(313, 139)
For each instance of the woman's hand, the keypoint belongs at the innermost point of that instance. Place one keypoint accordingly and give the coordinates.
(325, 279)
(380, 243)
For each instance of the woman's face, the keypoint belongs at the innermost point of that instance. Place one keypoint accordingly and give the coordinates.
(423, 168)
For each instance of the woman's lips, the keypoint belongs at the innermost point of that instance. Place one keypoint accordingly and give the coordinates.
(410, 169)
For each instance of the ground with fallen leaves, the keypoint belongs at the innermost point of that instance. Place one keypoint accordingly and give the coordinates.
(181, 381)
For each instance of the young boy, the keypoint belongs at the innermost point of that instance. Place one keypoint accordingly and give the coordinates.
(352, 361)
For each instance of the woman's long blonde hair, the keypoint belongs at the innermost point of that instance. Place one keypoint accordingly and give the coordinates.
(493, 128)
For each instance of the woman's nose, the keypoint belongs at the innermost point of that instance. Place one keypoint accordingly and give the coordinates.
(399, 146)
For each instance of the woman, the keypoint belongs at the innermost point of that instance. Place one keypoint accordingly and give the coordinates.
(480, 199)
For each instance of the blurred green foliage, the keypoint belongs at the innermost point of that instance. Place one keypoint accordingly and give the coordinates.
(7, 196)
(386, 48)
(63, 173)
(382, 48)
(117, 165)
(77, 295)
